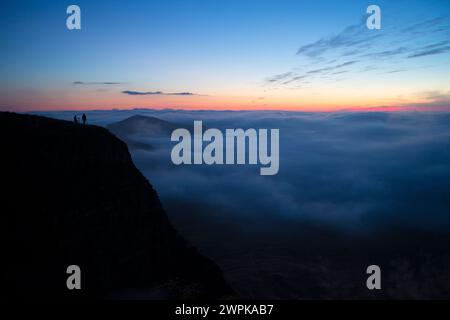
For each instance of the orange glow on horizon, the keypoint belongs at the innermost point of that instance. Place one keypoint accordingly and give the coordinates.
(313, 102)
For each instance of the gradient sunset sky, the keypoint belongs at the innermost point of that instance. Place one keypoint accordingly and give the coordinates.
(287, 55)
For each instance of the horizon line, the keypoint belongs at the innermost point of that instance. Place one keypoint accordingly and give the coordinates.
(293, 110)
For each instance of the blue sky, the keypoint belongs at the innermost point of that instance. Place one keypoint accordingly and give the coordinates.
(224, 51)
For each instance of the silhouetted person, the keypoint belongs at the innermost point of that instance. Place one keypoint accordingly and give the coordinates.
(83, 117)
(75, 119)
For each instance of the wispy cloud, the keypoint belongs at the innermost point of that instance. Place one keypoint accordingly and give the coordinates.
(370, 50)
(350, 38)
(96, 83)
(430, 100)
(150, 93)
(431, 52)
(280, 77)
(436, 96)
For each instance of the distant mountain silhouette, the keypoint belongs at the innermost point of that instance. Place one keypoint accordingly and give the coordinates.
(72, 195)
(143, 125)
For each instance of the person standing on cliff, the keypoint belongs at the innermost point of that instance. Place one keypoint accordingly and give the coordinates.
(75, 119)
(84, 118)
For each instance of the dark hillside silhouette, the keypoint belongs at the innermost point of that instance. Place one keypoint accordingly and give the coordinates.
(74, 196)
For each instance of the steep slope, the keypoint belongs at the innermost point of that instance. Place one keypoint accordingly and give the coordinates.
(74, 196)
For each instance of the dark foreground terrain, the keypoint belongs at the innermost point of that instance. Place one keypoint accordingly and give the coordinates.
(72, 196)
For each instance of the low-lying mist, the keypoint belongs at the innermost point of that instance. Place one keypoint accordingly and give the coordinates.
(380, 177)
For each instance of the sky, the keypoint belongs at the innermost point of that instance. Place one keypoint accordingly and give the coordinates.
(237, 55)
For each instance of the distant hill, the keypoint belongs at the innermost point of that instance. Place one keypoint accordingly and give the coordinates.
(143, 125)
(72, 195)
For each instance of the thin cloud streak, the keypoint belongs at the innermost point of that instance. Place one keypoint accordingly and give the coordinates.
(96, 83)
(151, 93)
(356, 45)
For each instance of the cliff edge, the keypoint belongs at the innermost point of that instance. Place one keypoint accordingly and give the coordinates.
(74, 197)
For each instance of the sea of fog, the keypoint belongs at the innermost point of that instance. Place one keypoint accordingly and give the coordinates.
(382, 176)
